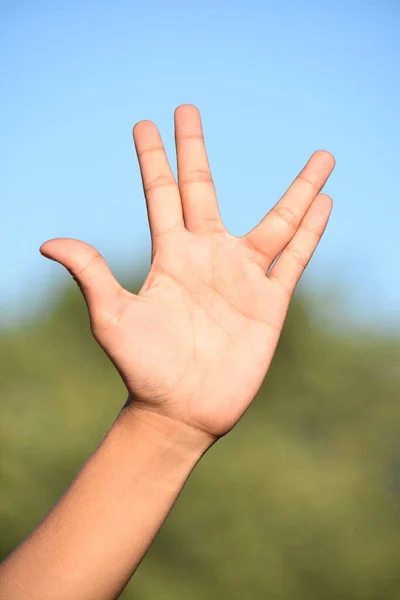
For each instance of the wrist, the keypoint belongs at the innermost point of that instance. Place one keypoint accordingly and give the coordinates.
(166, 432)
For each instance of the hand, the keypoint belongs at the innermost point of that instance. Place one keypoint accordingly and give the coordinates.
(196, 342)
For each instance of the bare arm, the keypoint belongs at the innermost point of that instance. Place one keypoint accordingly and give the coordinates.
(92, 541)
(193, 348)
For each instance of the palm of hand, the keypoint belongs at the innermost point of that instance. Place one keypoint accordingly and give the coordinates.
(196, 342)
(211, 321)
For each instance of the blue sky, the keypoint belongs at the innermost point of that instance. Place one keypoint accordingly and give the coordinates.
(274, 81)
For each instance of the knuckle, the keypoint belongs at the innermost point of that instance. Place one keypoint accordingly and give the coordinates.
(159, 181)
(299, 257)
(197, 176)
(310, 182)
(286, 214)
(95, 257)
(192, 136)
(150, 150)
(312, 232)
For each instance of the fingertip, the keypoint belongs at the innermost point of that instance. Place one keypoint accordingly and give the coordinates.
(326, 197)
(324, 203)
(326, 157)
(42, 248)
(67, 251)
(186, 109)
(45, 248)
(142, 127)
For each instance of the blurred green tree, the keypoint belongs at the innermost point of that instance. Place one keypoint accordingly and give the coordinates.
(301, 500)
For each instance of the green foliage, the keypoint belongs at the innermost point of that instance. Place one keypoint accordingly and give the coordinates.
(301, 500)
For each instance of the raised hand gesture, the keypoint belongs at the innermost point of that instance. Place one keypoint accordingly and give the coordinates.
(194, 345)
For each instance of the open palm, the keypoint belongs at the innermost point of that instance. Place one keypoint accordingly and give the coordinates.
(196, 342)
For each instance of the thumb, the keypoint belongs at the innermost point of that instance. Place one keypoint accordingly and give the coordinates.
(89, 269)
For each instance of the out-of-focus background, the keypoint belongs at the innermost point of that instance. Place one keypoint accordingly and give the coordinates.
(302, 499)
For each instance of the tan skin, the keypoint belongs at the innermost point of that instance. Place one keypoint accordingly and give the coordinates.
(192, 348)
(196, 342)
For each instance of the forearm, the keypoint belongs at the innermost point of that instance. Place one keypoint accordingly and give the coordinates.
(92, 541)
